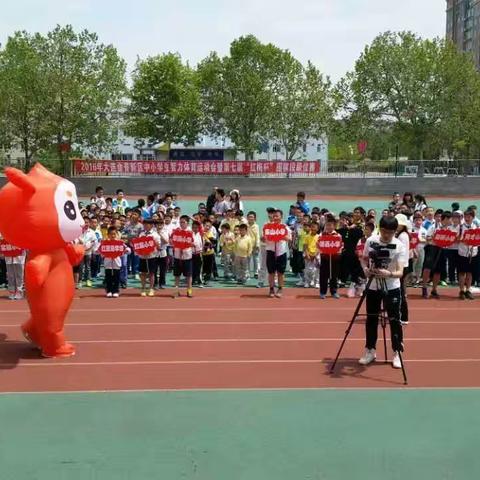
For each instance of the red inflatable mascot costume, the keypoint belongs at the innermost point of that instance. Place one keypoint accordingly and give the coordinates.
(39, 212)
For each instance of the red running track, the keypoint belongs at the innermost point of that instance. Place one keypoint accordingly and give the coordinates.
(241, 339)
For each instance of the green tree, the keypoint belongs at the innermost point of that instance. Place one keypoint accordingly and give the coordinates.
(237, 92)
(303, 104)
(420, 87)
(23, 95)
(87, 87)
(62, 88)
(165, 101)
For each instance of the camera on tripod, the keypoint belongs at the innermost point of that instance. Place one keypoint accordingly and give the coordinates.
(379, 255)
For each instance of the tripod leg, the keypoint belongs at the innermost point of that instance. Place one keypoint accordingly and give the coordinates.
(350, 325)
(404, 373)
(383, 320)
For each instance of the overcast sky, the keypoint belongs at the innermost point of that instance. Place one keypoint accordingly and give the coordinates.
(330, 33)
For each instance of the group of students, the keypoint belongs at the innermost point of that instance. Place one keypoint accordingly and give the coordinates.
(224, 242)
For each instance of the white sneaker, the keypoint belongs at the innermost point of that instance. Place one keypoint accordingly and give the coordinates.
(18, 296)
(368, 357)
(396, 363)
(307, 285)
(109, 295)
(317, 285)
(115, 295)
(351, 292)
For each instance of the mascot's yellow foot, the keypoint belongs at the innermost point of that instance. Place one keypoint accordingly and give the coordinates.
(66, 350)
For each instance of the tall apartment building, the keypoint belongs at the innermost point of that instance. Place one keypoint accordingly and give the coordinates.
(463, 26)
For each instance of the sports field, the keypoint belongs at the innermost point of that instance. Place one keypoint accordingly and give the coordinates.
(234, 385)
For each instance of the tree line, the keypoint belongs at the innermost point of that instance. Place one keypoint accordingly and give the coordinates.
(65, 93)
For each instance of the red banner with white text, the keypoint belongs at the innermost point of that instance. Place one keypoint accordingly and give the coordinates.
(208, 167)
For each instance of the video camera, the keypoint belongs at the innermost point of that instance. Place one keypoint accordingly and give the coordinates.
(379, 255)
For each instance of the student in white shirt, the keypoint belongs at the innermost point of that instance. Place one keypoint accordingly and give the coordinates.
(419, 252)
(15, 267)
(404, 237)
(90, 242)
(112, 268)
(164, 234)
(467, 258)
(435, 257)
(149, 262)
(277, 253)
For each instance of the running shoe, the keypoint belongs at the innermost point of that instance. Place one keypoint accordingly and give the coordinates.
(396, 363)
(369, 356)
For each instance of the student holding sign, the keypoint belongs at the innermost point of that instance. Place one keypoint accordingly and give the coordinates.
(15, 265)
(467, 254)
(330, 245)
(147, 246)
(439, 237)
(182, 240)
(112, 250)
(277, 235)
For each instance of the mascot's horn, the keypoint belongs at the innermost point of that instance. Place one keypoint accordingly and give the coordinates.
(19, 179)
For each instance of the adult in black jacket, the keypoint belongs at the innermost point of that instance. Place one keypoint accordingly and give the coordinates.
(211, 199)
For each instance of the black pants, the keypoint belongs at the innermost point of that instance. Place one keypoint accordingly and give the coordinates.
(161, 276)
(297, 262)
(350, 267)
(197, 268)
(392, 304)
(326, 274)
(112, 281)
(208, 264)
(452, 259)
(3, 272)
(96, 265)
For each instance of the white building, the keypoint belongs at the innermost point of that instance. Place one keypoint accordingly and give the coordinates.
(208, 148)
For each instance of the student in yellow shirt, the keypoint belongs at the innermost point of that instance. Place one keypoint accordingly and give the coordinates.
(310, 251)
(298, 259)
(243, 251)
(230, 220)
(254, 233)
(227, 244)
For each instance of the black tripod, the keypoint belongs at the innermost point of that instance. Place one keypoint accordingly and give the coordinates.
(382, 286)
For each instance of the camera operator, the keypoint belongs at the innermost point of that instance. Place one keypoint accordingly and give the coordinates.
(383, 259)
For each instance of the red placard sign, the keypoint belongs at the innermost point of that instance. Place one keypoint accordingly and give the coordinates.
(330, 244)
(144, 245)
(360, 248)
(182, 239)
(111, 248)
(471, 237)
(8, 250)
(444, 238)
(275, 232)
(414, 240)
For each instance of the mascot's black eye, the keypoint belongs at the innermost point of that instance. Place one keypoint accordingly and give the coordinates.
(69, 209)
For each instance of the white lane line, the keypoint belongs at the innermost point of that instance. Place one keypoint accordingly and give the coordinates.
(214, 362)
(245, 340)
(247, 309)
(251, 323)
